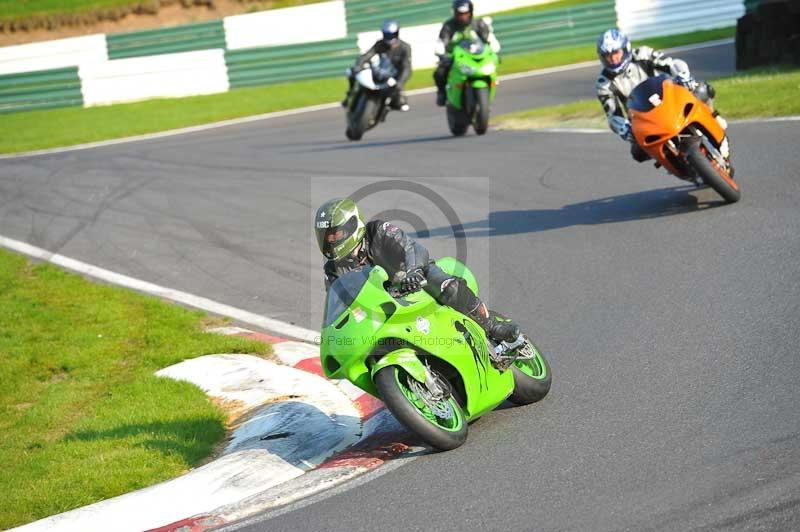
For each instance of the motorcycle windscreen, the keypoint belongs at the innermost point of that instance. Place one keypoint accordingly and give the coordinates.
(647, 95)
(343, 292)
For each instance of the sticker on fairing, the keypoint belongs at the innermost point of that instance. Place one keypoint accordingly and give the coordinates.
(359, 314)
(423, 325)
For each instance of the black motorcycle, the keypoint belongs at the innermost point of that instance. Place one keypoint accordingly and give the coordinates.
(372, 92)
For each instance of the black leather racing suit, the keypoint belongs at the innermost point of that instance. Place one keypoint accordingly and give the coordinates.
(390, 248)
(399, 55)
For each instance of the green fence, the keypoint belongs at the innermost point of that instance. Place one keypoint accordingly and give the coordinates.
(186, 38)
(275, 64)
(554, 28)
(367, 15)
(40, 90)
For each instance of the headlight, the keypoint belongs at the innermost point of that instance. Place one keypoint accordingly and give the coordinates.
(467, 70)
(488, 70)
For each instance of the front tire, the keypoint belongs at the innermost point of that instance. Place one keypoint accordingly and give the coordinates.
(713, 174)
(482, 111)
(444, 433)
(456, 121)
(532, 378)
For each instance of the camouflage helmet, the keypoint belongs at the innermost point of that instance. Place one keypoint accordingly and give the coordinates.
(339, 227)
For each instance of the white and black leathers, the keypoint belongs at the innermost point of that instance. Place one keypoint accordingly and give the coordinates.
(613, 89)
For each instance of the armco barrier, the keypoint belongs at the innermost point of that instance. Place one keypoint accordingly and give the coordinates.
(48, 55)
(655, 18)
(186, 38)
(554, 28)
(324, 21)
(275, 64)
(59, 87)
(367, 15)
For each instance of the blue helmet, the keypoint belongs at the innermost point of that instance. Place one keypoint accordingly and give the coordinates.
(391, 31)
(612, 41)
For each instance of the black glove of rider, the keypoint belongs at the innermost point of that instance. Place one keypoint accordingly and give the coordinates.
(413, 280)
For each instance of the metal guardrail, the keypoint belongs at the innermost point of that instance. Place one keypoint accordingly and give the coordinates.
(186, 38)
(45, 89)
(276, 64)
(554, 28)
(368, 15)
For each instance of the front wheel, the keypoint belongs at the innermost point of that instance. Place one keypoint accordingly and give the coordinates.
(438, 421)
(482, 111)
(532, 376)
(713, 174)
(456, 121)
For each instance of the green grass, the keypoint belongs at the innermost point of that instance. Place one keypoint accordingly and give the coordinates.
(23, 9)
(82, 417)
(739, 96)
(35, 130)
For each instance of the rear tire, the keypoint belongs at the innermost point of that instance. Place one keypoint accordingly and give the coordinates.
(713, 175)
(482, 111)
(391, 382)
(532, 379)
(456, 121)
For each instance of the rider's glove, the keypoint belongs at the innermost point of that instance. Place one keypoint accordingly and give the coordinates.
(413, 280)
(686, 80)
(622, 127)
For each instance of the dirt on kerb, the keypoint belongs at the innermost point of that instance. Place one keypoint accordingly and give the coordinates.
(146, 14)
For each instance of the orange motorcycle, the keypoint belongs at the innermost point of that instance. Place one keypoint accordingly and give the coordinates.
(682, 134)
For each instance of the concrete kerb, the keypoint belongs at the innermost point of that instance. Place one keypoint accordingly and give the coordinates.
(381, 438)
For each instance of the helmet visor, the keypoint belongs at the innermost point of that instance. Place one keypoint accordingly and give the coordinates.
(614, 58)
(329, 238)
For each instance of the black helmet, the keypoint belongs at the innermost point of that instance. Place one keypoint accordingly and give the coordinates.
(391, 31)
(461, 7)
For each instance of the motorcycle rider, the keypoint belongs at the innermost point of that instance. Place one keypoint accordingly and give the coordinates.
(398, 52)
(624, 69)
(461, 21)
(348, 242)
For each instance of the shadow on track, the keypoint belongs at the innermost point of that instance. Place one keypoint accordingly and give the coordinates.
(384, 143)
(628, 207)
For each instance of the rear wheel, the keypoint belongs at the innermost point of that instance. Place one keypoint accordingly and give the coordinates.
(482, 110)
(438, 421)
(456, 121)
(532, 376)
(713, 173)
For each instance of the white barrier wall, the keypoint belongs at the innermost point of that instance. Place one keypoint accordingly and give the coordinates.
(59, 53)
(483, 7)
(160, 76)
(421, 38)
(654, 18)
(294, 25)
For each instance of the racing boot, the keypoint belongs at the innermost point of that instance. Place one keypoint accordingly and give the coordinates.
(497, 327)
(441, 98)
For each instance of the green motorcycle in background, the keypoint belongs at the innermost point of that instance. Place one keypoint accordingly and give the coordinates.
(432, 366)
(471, 85)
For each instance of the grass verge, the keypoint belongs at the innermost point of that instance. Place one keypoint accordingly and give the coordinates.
(738, 96)
(83, 418)
(35, 130)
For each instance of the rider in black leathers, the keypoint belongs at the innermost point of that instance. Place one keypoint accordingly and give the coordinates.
(349, 243)
(398, 52)
(462, 19)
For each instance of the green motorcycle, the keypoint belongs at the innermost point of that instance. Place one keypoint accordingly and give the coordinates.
(432, 366)
(471, 85)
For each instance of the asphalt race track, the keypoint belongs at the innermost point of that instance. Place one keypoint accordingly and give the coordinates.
(670, 319)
